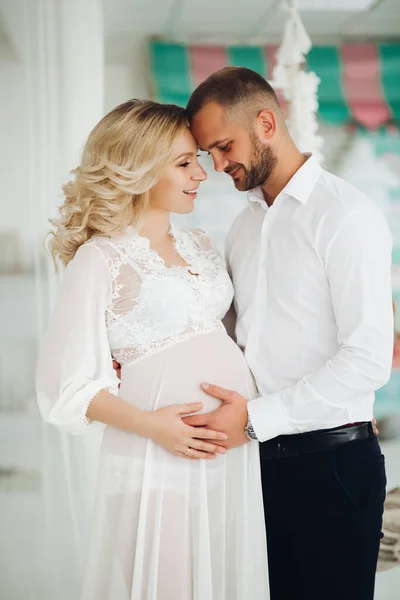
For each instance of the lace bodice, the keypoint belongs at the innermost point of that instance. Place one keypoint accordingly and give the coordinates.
(152, 305)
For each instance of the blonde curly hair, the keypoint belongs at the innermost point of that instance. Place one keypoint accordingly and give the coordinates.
(121, 162)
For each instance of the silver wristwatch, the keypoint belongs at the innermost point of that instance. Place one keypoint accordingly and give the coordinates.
(249, 430)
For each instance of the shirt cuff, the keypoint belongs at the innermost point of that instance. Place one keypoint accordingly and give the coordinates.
(268, 417)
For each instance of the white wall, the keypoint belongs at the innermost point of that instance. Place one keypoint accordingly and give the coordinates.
(14, 143)
(19, 143)
(126, 69)
(125, 77)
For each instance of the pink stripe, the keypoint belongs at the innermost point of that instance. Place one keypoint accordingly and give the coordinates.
(204, 60)
(270, 56)
(362, 85)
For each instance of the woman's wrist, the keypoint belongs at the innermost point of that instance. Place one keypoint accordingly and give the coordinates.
(142, 423)
(113, 410)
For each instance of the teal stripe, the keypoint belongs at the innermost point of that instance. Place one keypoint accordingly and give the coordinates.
(170, 67)
(383, 142)
(396, 256)
(326, 63)
(390, 76)
(247, 56)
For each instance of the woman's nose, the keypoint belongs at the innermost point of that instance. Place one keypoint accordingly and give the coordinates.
(200, 175)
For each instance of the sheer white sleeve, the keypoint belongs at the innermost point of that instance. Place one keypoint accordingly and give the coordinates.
(75, 360)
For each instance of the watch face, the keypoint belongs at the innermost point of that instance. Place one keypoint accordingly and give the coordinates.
(249, 431)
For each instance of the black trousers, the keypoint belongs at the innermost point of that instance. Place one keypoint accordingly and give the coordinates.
(323, 515)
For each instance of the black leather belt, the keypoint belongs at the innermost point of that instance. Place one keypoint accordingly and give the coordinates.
(285, 446)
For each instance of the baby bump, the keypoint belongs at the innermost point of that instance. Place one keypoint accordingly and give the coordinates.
(174, 375)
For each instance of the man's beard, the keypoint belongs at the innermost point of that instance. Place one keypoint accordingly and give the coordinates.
(262, 164)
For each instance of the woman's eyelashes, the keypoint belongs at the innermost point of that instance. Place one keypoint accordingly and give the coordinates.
(188, 162)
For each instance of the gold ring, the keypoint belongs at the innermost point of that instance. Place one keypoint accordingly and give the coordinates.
(187, 452)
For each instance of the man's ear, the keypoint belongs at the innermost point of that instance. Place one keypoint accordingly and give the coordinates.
(266, 123)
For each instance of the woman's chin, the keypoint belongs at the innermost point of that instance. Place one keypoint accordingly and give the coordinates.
(184, 210)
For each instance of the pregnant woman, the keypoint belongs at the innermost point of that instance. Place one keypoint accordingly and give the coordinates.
(176, 517)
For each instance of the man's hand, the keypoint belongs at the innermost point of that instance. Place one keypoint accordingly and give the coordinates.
(166, 428)
(230, 417)
(374, 425)
(117, 369)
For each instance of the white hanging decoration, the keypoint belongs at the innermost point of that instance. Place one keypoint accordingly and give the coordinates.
(299, 86)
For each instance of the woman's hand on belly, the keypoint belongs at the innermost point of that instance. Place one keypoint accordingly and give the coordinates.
(167, 429)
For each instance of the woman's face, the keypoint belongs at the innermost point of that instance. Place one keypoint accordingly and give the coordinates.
(176, 189)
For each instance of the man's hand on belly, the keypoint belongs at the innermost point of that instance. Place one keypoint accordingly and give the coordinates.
(229, 418)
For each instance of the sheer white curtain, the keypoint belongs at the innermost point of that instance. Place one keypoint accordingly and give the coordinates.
(60, 47)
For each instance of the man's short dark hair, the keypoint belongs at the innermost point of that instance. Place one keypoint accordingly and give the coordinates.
(232, 87)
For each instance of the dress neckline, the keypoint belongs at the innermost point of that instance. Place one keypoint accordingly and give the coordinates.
(179, 243)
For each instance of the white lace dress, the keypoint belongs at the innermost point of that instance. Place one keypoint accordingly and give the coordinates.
(164, 527)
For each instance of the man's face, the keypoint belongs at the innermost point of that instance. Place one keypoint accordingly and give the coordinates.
(235, 149)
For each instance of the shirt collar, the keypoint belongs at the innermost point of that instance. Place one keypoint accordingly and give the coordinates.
(298, 187)
(256, 196)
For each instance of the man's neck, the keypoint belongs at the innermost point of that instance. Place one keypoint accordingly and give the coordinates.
(287, 165)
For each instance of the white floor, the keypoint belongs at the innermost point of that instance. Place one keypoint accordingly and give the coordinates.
(39, 566)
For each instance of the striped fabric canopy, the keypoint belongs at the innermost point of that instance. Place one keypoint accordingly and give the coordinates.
(360, 83)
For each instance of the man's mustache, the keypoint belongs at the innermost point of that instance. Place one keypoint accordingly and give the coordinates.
(230, 170)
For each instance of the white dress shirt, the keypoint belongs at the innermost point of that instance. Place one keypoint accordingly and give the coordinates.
(312, 279)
